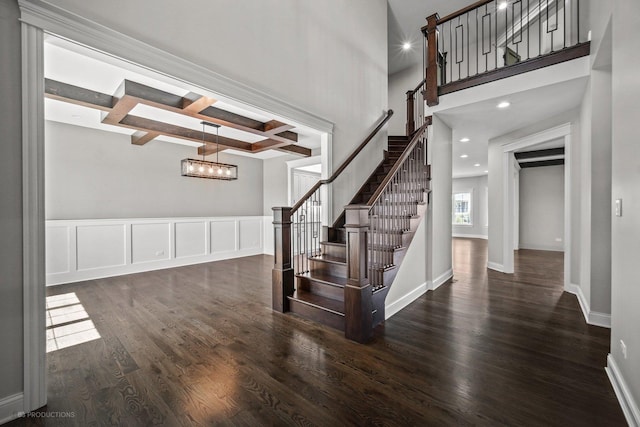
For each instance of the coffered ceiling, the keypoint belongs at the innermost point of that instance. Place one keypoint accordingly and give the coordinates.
(91, 89)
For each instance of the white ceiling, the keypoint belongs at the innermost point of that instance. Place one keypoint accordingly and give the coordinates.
(404, 20)
(73, 64)
(483, 121)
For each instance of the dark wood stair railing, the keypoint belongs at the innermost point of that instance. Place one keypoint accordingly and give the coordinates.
(298, 232)
(415, 108)
(492, 39)
(344, 283)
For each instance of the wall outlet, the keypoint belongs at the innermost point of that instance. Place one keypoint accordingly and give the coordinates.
(623, 348)
(159, 253)
(618, 207)
(558, 239)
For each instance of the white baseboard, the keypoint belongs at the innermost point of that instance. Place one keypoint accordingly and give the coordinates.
(495, 266)
(470, 236)
(591, 317)
(11, 407)
(628, 404)
(440, 280)
(394, 307)
(535, 247)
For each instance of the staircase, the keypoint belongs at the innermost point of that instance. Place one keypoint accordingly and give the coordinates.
(340, 275)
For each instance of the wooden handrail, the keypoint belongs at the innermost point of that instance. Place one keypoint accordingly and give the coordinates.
(419, 85)
(344, 164)
(463, 11)
(407, 151)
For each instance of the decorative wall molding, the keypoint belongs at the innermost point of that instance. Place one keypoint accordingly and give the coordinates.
(11, 407)
(594, 318)
(495, 266)
(394, 307)
(620, 387)
(79, 250)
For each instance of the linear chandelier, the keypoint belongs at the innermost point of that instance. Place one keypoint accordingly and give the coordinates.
(204, 169)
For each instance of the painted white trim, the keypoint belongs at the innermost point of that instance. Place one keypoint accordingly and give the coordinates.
(33, 230)
(495, 266)
(561, 131)
(56, 20)
(594, 318)
(394, 307)
(470, 236)
(541, 247)
(538, 138)
(620, 387)
(167, 235)
(441, 279)
(11, 407)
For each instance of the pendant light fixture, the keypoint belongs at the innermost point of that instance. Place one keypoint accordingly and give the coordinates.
(205, 169)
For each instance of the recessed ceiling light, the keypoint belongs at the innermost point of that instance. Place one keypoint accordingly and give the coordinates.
(406, 46)
(477, 164)
(504, 104)
(502, 5)
(465, 139)
(486, 171)
(464, 156)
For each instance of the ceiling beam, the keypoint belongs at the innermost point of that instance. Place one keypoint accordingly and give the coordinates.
(194, 103)
(539, 153)
(140, 123)
(541, 163)
(77, 95)
(274, 127)
(142, 137)
(295, 149)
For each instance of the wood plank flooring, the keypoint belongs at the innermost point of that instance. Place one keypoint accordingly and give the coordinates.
(199, 345)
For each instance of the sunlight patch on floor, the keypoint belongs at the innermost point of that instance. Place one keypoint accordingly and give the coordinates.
(68, 323)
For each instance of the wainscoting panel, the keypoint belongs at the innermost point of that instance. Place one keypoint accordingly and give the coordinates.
(150, 242)
(80, 250)
(250, 234)
(224, 236)
(191, 239)
(100, 246)
(58, 261)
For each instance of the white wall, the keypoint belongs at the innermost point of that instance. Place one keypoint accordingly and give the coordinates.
(275, 183)
(542, 208)
(625, 241)
(96, 174)
(10, 206)
(328, 58)
(478, 186)
(440, 229)
(399, 83)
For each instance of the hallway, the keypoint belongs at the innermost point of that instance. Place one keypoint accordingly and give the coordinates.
(200, 345)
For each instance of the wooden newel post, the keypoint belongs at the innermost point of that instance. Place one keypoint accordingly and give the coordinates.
(282, 274)
(431, 33)
(357, 293)
(411, 122)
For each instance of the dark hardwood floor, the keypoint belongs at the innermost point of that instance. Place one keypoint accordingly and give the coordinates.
(199, 345)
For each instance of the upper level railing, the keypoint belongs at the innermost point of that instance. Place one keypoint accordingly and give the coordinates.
(493, 39)
(415, 108)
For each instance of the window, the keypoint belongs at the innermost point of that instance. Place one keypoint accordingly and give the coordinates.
(462, 209)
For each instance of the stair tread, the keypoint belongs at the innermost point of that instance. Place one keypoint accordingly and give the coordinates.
(323, 303)
(329, 258)
(325, 278)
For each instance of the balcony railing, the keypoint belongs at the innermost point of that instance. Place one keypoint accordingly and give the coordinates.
(494, 39)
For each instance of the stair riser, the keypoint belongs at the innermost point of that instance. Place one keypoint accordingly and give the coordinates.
(333, 269)
(334, 250)
(321, 288)
(317, 314)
